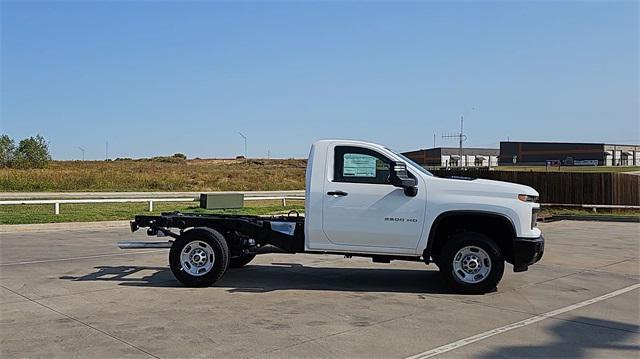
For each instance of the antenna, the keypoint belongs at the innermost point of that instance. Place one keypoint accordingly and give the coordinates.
(460, 136)
(82, 150)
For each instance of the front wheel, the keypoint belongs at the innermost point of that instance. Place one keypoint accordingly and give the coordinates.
(471, 263)
(199, 257)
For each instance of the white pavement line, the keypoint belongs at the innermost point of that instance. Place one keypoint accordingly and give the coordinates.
(489, 333)
(76, 258)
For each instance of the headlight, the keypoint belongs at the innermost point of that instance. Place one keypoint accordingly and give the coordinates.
(527, 198)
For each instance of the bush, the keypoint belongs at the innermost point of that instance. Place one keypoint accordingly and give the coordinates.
(32, 152)
(177, 158)
(7, 150)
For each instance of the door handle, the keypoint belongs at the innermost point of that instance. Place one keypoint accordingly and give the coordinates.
(337, 193)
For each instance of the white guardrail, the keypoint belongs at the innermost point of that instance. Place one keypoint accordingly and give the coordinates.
(248, 196)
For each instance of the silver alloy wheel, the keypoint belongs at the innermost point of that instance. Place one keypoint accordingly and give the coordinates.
(197, 258)
(471, 264)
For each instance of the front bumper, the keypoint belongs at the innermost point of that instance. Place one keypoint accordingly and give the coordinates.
(527, 251)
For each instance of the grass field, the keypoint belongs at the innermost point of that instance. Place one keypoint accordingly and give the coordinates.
(191, 175)
(130, 175)
(23, 214)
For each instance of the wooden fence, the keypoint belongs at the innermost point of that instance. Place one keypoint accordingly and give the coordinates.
(565, 187)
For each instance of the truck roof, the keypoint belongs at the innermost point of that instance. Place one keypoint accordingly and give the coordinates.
(355, 142)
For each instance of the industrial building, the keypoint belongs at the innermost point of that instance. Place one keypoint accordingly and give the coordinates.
(579, 154)
(450, 157)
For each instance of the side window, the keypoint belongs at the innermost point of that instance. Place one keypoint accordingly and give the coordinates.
(360, 165)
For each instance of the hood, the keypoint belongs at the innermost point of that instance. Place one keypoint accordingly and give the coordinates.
(488, 187)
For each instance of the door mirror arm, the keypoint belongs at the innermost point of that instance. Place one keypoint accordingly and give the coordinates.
(411, 191)
(399, 177)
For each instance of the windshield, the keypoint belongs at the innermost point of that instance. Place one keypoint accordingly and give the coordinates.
(408, 160)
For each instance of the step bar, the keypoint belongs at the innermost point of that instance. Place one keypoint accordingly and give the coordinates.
(144, 244)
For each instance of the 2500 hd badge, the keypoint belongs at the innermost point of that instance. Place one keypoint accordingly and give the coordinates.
(397, 219)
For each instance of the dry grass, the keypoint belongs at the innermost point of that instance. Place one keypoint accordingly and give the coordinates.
(192, 175)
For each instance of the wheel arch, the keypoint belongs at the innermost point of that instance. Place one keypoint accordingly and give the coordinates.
(435, 239)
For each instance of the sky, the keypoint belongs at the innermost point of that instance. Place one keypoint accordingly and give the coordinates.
(156, 78)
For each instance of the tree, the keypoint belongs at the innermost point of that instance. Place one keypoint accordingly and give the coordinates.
(7, 150)
(32, 152)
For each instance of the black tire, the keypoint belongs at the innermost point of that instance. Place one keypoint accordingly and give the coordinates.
(240, 260)
(460, 241)
(220, 260)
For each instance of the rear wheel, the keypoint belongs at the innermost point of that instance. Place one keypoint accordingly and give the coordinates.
(240, 260)
(471, 263)
(199, 257)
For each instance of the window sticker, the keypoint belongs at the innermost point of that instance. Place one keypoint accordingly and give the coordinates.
(358, 165)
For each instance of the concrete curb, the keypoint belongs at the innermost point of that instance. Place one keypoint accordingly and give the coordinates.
(627, 219)
(65, 226)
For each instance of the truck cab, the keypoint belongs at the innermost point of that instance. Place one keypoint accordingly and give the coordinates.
(364, 199)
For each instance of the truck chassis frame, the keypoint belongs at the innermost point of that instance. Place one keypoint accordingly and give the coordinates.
(244, 234)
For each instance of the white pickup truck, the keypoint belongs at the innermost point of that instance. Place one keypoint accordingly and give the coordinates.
(363, 199)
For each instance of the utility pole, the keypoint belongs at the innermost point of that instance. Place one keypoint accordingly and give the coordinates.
(434, 140)
(245, 145)
(82, 150)
(106, 150)
(460, 136)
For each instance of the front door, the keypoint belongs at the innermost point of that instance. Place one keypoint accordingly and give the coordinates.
(361, 208)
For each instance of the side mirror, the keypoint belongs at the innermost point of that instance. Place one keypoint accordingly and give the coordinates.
(399, 177)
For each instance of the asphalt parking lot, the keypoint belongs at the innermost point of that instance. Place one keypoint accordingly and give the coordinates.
(73, 293)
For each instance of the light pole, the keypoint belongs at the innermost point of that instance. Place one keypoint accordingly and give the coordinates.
(82, 150)
(245, 145)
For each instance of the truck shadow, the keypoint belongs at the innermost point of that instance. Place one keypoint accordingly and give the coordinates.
(576, 337)
(129, 275)
(295, 276)
(284, 276)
